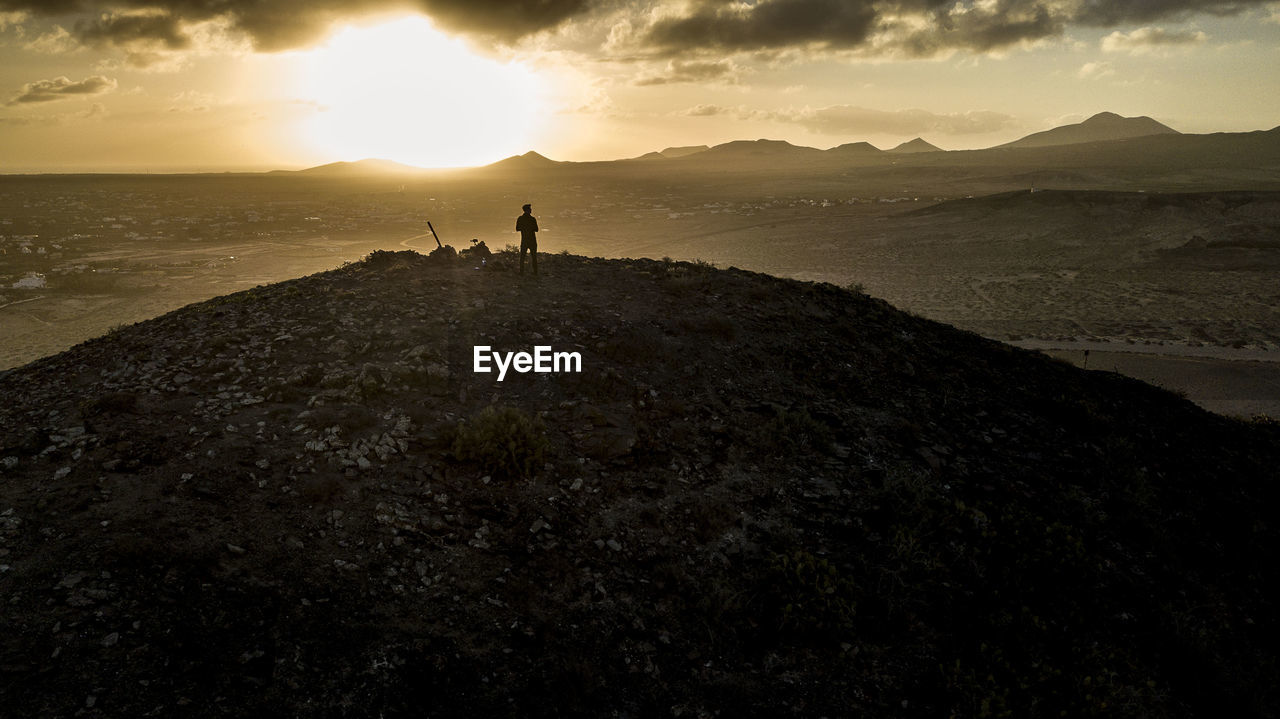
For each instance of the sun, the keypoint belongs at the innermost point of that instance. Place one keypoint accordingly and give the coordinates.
(404, 91)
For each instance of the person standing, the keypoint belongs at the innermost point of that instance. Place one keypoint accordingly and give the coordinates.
(527, 226)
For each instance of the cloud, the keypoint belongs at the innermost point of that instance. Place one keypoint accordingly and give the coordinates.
(61, 88)
(595, 101)
(853, 120)
(151, 39)
(286, 24)
(12, 18)
(153, 29)
(1109, 13)
(1150, 39)
(669, 28)
(680, 71)
(1095, 70)
(96, 110)
(192, 101)
(981, 27)
(54, 42)
(769, 24)
(917, 28)
(708, 111)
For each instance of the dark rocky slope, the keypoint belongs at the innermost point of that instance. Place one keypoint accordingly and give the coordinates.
(759, 498)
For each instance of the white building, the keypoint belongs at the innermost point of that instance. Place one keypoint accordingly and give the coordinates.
(33, 281)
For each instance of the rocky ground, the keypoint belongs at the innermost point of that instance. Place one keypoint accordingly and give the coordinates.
(758, 497)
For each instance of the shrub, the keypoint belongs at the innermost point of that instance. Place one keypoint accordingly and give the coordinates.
(504, 441)
(109, 403)
(716, 326)
(795, 432)
(443, 255)
(477, 252)
(813, 598)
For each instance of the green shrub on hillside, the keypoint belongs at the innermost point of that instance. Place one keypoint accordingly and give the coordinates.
(504, 441)
(813, 597)
(795, 431)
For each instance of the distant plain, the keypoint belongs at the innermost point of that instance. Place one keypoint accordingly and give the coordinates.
(1160, 260)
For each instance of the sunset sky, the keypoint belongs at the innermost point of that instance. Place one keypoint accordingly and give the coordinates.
(180, 85)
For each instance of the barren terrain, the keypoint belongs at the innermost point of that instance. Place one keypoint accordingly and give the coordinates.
(758, 497)
(1057, 267)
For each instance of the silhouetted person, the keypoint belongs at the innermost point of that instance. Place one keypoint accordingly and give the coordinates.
(527, 226)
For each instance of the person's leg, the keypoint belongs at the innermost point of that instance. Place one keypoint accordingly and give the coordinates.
(523, 246)
(533, 257)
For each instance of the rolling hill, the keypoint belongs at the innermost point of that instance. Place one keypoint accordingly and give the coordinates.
(1101, 127)
(358, 168)
(913, 146)
(757, 497)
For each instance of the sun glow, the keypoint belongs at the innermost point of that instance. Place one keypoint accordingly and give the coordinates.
(406, 92)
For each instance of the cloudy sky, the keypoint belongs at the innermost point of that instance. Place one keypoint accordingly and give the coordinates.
(178, 85)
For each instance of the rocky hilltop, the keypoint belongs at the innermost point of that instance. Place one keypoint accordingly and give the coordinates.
(759, 497)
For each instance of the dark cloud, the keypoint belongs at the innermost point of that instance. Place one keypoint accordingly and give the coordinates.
(154, 30)
(1111, 13)
(46, 7)
(506, 19)
(914, 27)
(981, 28)
(61, 88)
(768, 24)
(283, 24)
(1008, 23)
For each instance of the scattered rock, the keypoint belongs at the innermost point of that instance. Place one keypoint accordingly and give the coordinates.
(671, 550)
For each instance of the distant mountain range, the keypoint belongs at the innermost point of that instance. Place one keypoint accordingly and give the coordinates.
(1102, 127)
(1063, 144)
(357, 168)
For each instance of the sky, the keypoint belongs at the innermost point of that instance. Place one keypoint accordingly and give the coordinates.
(217, 85)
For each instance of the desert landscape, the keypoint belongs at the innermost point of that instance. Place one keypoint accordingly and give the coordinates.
(1161, 257)
(876, 358)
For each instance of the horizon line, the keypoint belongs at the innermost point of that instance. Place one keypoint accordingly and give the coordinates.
(188, 170)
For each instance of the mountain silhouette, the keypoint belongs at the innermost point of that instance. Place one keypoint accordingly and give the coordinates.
(683, 151)
(758, 149)
(673, 152)
(758, 497)
(1100, 127)
(1105, 140)
(358, 168)
(528, 161)
(913, 146)
(855, 149)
